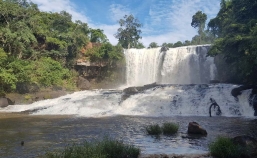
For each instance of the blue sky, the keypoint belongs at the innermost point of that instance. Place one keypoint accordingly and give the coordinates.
(163, 20)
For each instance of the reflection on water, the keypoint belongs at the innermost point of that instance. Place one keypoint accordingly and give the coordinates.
(42, 133)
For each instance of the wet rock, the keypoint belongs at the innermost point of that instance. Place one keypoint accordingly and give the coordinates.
(195, 128)
(248, 143)
(127, 92)
(237, 91)
(164, 49)
(4, 102)
(83, 83)
(214, 81)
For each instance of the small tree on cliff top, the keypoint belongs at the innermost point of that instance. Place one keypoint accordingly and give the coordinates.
(129, 33)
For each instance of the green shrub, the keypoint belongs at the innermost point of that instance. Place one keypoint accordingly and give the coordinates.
(48, 72)
(153, 129)
(107, 148)
(169, 128)
(28, 97)
(223, 147)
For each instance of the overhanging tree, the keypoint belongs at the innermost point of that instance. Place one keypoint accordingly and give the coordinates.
(129, 33)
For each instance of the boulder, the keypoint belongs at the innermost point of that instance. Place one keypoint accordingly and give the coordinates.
(127, 92)
(238, 90)
(4, 102)
(195, 128)
(248, 143)
(83, 83)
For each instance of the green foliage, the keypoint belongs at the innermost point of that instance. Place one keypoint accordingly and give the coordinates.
(170, 45)
(223, 147)
(198, 21)
(235, 27)
(178, 44)
(169, 128)
(97, 35)
(153, 129)
(38, 47)
(139, 45)
(47, 72)
(129, 33)
(107, 148)
(153, 45)
(105, 52)
(27, 33)
(27, 97)
(7, 80)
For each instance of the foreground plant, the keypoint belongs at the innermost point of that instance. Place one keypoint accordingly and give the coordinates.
(224, 147)
(107, 148)
(169, 128)
(153, 129)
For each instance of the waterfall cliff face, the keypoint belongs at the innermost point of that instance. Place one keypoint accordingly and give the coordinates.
(182, 65)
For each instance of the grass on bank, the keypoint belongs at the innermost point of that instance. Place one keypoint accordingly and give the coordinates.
(169, 128)
(106, 148)
(153, 129)
(224, 147)
(166, 128)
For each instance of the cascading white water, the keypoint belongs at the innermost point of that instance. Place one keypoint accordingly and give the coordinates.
(142, 65)
(182, 65)
(169, 100)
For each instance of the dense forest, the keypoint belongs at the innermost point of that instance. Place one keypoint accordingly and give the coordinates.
(41, 48)
(235, 29)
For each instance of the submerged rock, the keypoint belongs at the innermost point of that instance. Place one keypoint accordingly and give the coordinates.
(195, 128)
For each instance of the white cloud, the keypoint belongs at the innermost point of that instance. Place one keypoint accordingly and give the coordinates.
(170, 20)
(118, 11)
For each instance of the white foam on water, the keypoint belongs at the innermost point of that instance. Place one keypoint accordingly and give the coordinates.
(181, 100)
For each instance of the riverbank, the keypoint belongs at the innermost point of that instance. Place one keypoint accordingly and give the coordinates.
(29, 98)
(207, 155)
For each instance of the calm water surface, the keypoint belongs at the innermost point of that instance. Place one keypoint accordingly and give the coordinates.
(47, 133)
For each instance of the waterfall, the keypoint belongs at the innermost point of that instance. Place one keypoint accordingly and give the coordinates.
(182, 73)
(182, 65)
(158, 101)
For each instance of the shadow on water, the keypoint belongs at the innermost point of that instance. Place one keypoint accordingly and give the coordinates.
(44, 133)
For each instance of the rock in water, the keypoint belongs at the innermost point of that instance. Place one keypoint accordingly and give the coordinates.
(195, 128)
